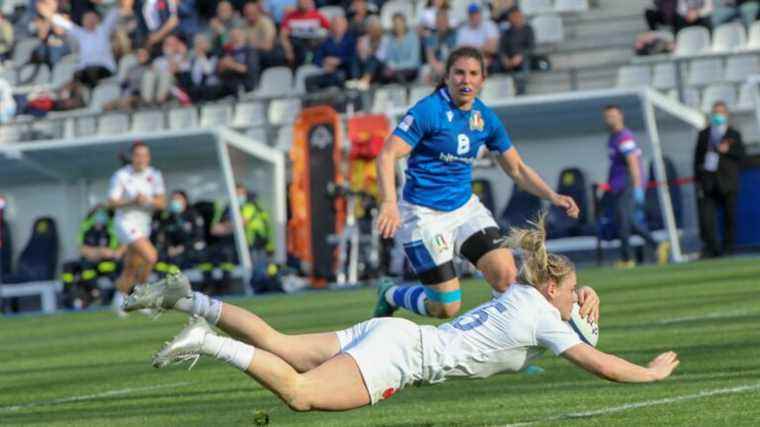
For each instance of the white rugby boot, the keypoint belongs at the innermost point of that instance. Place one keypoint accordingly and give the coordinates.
(160, 295)
(186, 346)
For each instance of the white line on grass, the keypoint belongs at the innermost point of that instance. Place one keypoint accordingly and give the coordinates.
(715, 315)
(89, 396)
(644, 404)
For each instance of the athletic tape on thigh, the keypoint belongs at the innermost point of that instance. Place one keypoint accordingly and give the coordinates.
(443, 297)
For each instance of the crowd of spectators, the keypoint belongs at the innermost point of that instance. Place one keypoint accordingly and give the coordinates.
(192, 51)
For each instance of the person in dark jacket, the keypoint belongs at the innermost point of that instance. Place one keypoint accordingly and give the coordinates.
(717, 161)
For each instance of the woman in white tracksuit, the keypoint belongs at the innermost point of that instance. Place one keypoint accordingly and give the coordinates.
(371, 361)
(136, 190)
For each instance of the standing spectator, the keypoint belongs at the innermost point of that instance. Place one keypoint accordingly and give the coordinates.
(301, 32)
(277, 9)
(200, 81)
(517, 43)
(479, 33)
(400, 53)
(189, 21)
(717, 162)
(336, 56)
(166, 67)
(626, 180)
(367, 48)
(6, 39)
(161, 19)
(96, 59)
(239, 64)
(693, 12)
(727, 10)
(262, 35)
(222, 23)
(662, 12)
(358, 14)
(133, 85)
(438, 44)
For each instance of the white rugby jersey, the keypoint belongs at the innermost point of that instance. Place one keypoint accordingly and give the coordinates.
(127, 183)
(498, 336)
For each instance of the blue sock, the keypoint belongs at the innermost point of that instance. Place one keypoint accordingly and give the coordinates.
(411, 298)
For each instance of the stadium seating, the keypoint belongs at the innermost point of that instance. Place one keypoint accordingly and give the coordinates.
(63, 72)
(535, 7)
(249, 114)
(572, 182)
(274, 81)
(692, 41)
(729, 37)
(754, 36)
(148, 121)
(653, 210)
(183, 118)
(113, 123)
(103, 93)
(418, 92)
(302, 73)
(497, 88)
(738, 67)
(703, 72)
(23, 51)
(633, 76)
(570, 5)
(725, 92)
(284, 138)
(39, 258)
(548, 29)
(283, 111)
(746, 96)
(392, 7)
(664, 76)
(214, 115)
(388, 97)
(521, 207)
(125, 63)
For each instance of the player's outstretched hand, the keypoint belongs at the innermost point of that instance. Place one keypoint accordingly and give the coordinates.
(663, 365)
(388, 220)
(568, 204)
(589, 302)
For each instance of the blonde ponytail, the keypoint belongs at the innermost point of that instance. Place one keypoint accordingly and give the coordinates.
(539, 266)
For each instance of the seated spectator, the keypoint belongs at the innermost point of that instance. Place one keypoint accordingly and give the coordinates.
(367, 48)
(200, 80)
(166, 67)
(226, 19)
(693, 12)
(516, 44)
(400, 53)
(262, 35)
(336, 56)
(132, 85)
(161, 19)
(428, 16)
(277, 9)
(178, 235)
(438, 44)
(728, 10)
(301, 32)
(6, 39)
(662, 12)
(358, 13)
(52, 45)
(239, 65)
(93, 38)
(500, 12)
(479, 33)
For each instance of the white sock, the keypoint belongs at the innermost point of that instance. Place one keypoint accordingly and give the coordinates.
(236, 353)
(201, 305)
(118, 299)
(389, 295)
(496, 294)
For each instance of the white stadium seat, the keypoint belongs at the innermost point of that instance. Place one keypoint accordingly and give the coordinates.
(113, 124)
(570, 5)
(703, 72)
(23, 50)
(283, 111)
(754, 36)
(183, 118)
(634, 76)
(548, 29)
(102, 94)
(692, 98)
(729, 37)
(389, 97)
(534, 7)
(692, 41)
(418, 92)
(63, 72)
(302, 73)
(148, 121)
(746, 96)
(284, 138)
(249, 114)
(664, 76)
(258, 134)
(275, 81)
(739, 67)
(497, 88)
(719, 92)
(215, 115)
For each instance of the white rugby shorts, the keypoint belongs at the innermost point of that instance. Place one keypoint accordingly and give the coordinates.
(130, 230)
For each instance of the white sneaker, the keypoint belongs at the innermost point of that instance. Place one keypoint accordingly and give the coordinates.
(160, 295)
(185, 346)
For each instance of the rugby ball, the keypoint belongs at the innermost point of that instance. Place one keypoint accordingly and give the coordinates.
(587, 329)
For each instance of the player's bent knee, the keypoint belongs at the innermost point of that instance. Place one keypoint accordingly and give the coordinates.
(443, 304)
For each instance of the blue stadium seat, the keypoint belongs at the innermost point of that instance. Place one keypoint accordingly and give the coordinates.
(654, 213)
(572, 182)
(521, 208)
(39, 258)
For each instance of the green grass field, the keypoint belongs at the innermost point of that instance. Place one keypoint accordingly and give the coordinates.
(94, 369)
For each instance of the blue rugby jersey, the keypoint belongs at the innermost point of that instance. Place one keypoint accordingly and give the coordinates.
(445, 141)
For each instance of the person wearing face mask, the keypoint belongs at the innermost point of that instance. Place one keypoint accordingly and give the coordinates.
(717, 162)
(178, 235)
(100, 253)
(222, 255)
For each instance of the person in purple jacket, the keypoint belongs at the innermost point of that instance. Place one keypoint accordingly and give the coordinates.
(627, 183)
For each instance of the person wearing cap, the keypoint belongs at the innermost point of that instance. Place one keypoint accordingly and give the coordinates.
(482, 34)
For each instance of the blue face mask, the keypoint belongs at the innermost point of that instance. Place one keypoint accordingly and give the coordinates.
(100, 217)
(176, 206)
(718, 119)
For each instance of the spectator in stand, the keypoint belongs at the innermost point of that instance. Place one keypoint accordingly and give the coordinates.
(427, 22)
(161, 19)
(438, 44)
(516, 44)
(479, 33)
(693, 12)
(336, 56)
(277, 9)
(6, 39)
(262, 35)
(220, 25)
(500, 10)
(367, 48)
(400, 53)
(301, 32)
(132, 85)
(178, 235)
(662, 12)
(200, 81)
(727, 10)
(189, 20)
(96, 59)
(239, 65)
(166, 67)
(358, 14)
(52, 45)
